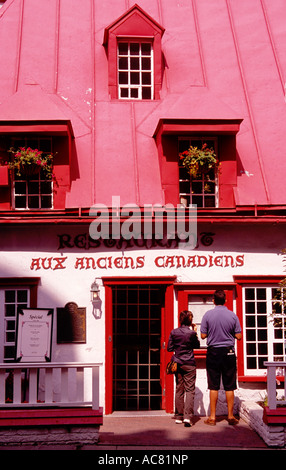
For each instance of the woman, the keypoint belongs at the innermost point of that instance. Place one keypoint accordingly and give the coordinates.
(183, 341)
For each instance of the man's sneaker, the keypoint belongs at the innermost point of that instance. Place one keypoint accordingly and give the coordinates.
(179, 421)
(187, 423)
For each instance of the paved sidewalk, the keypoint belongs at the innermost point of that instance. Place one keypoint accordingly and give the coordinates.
(160, 431)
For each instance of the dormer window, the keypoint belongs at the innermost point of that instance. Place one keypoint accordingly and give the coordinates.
(201, 189)
(135, 70)
(133, 45)
(33, 190)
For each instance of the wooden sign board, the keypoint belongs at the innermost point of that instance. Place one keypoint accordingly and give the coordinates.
(34, 335)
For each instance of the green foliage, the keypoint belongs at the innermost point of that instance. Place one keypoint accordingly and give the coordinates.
(199, 161)
(30, 161)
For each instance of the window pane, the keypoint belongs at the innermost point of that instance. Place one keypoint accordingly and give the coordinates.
(123, 78)
(146, 78)
(10, 296)
(184, 187)
(146, 49)
(124, 92)
(250, 321)
(134, 92)
(134, 63)
(20, 187)
(249, 294)
(34, 202)
(251, 363)
(134, 78)
(10, 310)
(261, 294)
(262, 349)
(22, 295)
(46, 187)
(198, 200)
(261, 307)
(134, 48)
(209, 201)
(146, 93)
(250, 307)
(123, 63)
(46, 202)
(20, 202)
(33, 187)
(123, 48)
(146, 63)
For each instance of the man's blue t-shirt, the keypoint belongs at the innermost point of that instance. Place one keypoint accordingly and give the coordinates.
(220, 325)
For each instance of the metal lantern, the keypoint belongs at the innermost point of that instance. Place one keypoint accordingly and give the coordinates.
(95, 300)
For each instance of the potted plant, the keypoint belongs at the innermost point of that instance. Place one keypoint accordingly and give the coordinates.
(199, 161)
(28, 162)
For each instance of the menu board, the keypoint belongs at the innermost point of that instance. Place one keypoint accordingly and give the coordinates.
(34, 335)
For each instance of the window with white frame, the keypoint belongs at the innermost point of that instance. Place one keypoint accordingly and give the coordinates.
(264, 327)
(34, 191)
(135, 70)
(10, 300)
(203, 189)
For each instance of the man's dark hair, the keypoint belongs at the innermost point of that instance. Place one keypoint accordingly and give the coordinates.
(186, 318)
(219, 297)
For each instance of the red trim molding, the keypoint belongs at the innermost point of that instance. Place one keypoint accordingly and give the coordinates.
(50, 417)
(274, 417)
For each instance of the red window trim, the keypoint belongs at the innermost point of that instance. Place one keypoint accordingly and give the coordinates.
(166, 135)
(137, 24)
(62, 170)
(197, 289)
(240, 281)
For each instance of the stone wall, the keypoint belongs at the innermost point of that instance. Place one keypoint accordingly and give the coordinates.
(35, 435)
(273, 435)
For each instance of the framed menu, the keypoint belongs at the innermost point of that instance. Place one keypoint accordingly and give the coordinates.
(34, 335)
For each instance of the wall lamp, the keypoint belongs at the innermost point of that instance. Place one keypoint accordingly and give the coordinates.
(95, 300)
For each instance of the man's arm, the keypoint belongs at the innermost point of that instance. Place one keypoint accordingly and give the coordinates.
(238, 336)
(203, 335)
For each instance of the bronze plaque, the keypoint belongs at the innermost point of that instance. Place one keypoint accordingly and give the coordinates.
(71, 324)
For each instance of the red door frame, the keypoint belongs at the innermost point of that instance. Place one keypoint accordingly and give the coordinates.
(200, 289)
(167, 317)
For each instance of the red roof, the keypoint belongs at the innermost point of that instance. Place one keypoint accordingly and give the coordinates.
(222, 60)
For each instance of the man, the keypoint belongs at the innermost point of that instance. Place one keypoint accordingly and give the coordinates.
(183, 341)
(221, 327)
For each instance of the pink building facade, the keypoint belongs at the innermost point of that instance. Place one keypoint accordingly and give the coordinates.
(116, 92)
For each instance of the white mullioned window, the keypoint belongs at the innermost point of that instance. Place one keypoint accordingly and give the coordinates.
(202, 190)
(10, 300)
(35, 191)
(135, 70)
(264, 327)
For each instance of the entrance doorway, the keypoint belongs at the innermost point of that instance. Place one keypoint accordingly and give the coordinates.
(136, 347)
(139, 318)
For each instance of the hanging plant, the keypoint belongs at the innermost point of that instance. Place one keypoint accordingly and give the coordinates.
(28, 162)
(199, 161)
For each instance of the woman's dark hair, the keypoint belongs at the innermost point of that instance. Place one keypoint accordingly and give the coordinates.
(219, 297)
(186, 318)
